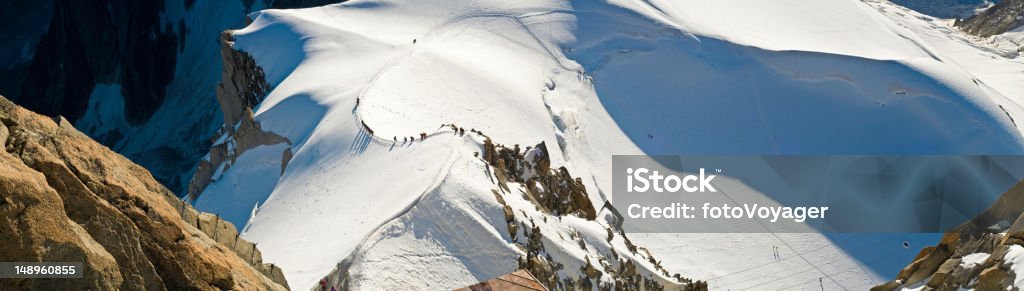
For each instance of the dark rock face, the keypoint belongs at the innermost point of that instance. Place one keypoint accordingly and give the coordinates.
(114, 41)
(68, 198)
(88, 42)
(54, 53)
(59, 79)
(286, 4)
(22, 24)
(291, 4)
(1003, 16)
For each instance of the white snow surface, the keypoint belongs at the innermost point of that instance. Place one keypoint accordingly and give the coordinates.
(591, 79)
(994, 63)
(242, 189)
(969, 261)
(1015, 258)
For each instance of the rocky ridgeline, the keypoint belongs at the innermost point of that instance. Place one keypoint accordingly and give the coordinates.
(940, 267)
(67, 198)
(556, 192)
(243, 85)
(1001, 17)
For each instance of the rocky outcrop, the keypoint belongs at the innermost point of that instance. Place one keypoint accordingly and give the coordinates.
(243, 85)
(620, 270)
(555, 191)
(68, 198)
(992, 232)
(1001, 17)
(247, 135)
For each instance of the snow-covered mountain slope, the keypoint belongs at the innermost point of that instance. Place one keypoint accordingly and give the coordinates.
(995, 62)
(590, 79)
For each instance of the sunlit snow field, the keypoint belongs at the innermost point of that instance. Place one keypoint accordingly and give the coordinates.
(591, 79)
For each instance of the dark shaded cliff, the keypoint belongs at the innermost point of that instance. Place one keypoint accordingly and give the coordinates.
(156, 58)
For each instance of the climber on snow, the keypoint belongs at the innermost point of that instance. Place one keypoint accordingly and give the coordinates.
(367, 127)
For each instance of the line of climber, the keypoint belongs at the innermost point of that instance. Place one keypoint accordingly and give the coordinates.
(460, 131)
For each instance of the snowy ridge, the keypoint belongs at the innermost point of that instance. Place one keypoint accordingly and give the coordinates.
(594, 79)
(452, 239)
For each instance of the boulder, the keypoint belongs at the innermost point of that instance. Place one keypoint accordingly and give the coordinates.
(942, 277)
(993, 278)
